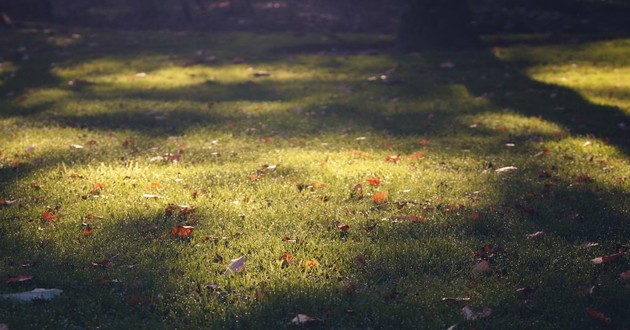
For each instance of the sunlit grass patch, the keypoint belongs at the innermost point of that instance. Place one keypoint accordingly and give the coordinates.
(365, 188)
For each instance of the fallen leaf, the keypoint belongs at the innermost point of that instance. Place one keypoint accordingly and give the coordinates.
(482, 267)
(311, 263)
(357, 190)
(151, 196)
(181, 231)
(236, 266)
(455, 298)
(302, 319)
(287, 259)
(18, 278)
(379, 197)
(608, 258)
(87, 231)
(76, 146)
(470, 315)
(598, 316)
(48, 216)
(588, 245)
(447, 65)
(534, 235)
(6, 202)
(582, 179)
(3, 326)
(35, 294)
(416, 155)
(392, 158)
(343, 227)
(625, 276)
(506, 169)
(373, 181)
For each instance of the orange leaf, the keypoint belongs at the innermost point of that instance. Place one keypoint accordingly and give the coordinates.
(374, 181)
(392, 158)
(87, 231)
(416, 155)
(379, 197)
(48, 216)
(98, 186)
(181, 231)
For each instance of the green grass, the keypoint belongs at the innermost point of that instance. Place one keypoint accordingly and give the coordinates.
(326, 126)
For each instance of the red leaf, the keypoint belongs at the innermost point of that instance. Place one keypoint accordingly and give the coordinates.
(87, 231)
(583, 179)
(18, 278)
(598, 316)
(48, 216)
(374, 181)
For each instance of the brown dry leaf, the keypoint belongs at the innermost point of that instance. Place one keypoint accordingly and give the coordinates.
(608, 258)
(343, 227)
(392, 158)
(625, 276)
(181, 231)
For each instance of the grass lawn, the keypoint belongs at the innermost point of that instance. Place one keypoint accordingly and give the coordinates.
(362, 186)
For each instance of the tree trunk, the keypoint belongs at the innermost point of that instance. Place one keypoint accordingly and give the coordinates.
(437, 24)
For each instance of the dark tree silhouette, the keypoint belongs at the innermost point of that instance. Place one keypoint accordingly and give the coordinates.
(436, 24)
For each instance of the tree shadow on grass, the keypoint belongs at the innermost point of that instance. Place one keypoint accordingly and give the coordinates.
(387, 276)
